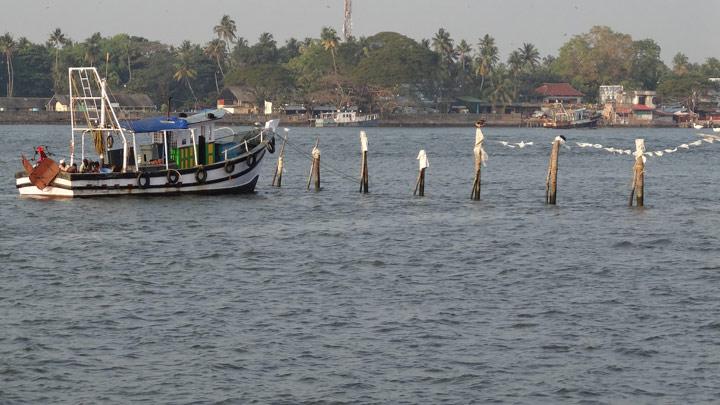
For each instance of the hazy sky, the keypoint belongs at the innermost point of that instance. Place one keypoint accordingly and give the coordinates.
(677, 25)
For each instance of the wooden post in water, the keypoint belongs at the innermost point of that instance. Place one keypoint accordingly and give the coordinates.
(480, 158)
(315, 166)
(423, 164)
(638, 186)
(551, 179)
(364, 163)
(277, 177)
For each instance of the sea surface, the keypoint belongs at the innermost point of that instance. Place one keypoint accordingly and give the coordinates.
(295, 296)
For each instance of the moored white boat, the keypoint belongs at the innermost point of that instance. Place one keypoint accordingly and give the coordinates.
(345, 119)
(185, 154)
(568, 119)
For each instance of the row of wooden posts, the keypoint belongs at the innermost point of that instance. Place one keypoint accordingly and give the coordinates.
(637, 192)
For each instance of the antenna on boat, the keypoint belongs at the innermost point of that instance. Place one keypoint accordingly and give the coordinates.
(168, 107)
(107, 62)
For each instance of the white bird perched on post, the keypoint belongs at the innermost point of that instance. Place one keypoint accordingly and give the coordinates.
(562, 140)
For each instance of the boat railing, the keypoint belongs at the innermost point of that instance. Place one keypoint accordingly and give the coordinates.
(260, 137)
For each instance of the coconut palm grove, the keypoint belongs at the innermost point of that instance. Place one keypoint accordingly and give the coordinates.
(371, 72)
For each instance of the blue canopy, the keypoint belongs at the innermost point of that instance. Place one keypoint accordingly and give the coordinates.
(155, 124)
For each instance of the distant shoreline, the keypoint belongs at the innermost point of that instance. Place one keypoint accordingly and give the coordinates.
(395, 121)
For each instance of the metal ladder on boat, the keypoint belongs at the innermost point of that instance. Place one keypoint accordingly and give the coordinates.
(93, 114)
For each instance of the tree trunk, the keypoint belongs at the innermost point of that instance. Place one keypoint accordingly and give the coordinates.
(217, 58)
(8, 63)
(129, 69)
(332, 52)
(187, 81)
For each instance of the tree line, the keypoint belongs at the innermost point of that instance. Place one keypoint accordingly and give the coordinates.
(372, 72)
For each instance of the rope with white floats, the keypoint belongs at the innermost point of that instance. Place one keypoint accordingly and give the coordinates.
(706, 138)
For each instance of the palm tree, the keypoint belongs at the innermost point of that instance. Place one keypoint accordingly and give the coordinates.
(330, 41)
(515, 62)
(131, 52)
(183, 70)
(92, 48)
(530, 55)
(57, 40)
(266, 39)
(216, 50)
(502, 91)
(226, 30)
(292, 48)
(487, 58)
(680, 64)
(7, 47)
(443, 45)
(463, 50)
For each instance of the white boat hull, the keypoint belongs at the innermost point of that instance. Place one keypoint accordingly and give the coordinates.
(231, 176)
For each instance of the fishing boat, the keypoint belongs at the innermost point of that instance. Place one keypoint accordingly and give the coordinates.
(345, 119)
(166, 155)
(560, 118)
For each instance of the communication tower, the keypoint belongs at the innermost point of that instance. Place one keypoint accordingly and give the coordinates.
(347, 25)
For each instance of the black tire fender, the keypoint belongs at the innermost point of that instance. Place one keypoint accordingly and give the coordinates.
(109, 141)
(229, 167)
(271, 145)
(201, 175)
(250, 160)
(143, 180)
(173, 176)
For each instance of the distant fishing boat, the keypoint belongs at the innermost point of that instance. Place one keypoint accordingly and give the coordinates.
(568, 119)
(345, 119)
(182, 154)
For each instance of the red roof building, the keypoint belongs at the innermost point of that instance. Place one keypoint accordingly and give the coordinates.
(559, 93)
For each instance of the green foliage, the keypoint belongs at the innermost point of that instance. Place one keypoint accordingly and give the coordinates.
(393, 59)
(678, 86)
(31, 64)
(266, 82)
(647, 68)
(368, 72)
(598, 57)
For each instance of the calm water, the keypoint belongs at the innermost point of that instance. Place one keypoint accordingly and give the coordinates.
(290, 296)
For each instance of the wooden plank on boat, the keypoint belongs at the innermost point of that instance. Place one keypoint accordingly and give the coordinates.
(26, 165)
(44, 173)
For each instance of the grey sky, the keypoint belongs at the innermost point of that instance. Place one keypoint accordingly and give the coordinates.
(688, 26)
